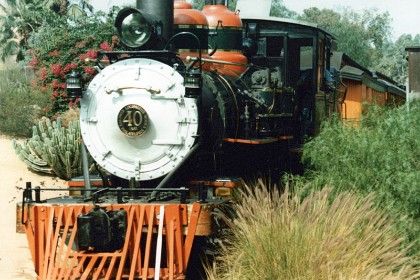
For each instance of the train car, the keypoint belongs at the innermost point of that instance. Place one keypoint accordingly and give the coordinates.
(363, 86)
(413, 58)
(173, 128)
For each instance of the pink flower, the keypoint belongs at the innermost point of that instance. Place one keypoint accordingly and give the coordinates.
(90, 71)
(70, 67)
(54, 84)
(55, 53)
(73, 104)
(33, 63)
(105, 46)
(91, 54)
(57, 70)
(81, 44)
(57, 85)
(43, 73)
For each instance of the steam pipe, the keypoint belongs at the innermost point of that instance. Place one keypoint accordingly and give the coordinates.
(192, 58)
(85, 166)
(171, 175)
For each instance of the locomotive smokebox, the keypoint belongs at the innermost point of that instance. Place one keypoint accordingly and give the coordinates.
(162, 9)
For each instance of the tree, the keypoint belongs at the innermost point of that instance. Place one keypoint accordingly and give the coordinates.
(277, 7)
(79, 10)
(279, 10)
(393, 62)
(75, 9)
(19, 18)
(361, 36)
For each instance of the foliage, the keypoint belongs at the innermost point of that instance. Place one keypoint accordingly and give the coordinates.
(18, 19)
(279, 10)
(20, 106)
(360, 36)
(60, 47)
(380, 155)
(393, 62)
(72, 10)
(53, 149)
(282, 236)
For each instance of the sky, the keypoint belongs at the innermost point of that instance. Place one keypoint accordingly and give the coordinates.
(405, 14)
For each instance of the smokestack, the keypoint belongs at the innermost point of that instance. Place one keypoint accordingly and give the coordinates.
(215, 2)
(162, 9)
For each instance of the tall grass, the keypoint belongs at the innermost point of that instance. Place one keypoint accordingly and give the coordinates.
(20, 105)
(281, 236)
(380, 155)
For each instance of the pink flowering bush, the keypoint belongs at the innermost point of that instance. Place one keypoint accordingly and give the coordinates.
(60, 48)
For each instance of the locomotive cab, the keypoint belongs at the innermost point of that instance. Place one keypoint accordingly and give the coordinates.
(301, 53)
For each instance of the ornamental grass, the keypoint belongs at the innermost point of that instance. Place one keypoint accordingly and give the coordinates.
(322, 236)
(381, 155)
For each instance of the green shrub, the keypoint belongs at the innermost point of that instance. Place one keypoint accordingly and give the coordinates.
(381, 154)
(20, 105)
(59, 47)
(282, 236)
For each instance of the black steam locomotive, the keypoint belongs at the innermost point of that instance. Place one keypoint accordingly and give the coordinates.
(153, 113)
(199, 100)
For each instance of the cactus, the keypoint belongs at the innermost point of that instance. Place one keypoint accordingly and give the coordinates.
(53, 149)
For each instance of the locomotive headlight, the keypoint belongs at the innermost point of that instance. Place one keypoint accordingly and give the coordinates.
(134, 27)
(74, 85)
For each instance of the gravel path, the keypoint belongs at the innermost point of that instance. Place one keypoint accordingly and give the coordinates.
(15, 258)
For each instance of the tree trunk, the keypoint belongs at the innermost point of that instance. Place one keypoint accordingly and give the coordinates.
(63, 7)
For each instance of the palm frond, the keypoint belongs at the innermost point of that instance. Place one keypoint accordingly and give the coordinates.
(8, 49)
(75, 12)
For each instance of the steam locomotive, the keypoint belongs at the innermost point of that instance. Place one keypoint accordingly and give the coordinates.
(199, 100)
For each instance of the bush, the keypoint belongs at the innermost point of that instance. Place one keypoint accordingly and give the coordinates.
(282, 236)
(379, 155)
(72, 114)
(59, 47)
(20, 105)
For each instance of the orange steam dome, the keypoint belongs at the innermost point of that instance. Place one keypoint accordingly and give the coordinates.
(193, 22)
(178, 4)
(227, 26)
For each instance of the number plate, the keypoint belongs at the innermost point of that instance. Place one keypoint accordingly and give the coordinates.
(133, 120)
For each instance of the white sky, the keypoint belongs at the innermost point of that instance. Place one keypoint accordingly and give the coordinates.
(405, 14)
(104, 5)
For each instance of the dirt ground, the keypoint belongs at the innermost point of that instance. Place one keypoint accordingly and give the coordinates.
(15, 259)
